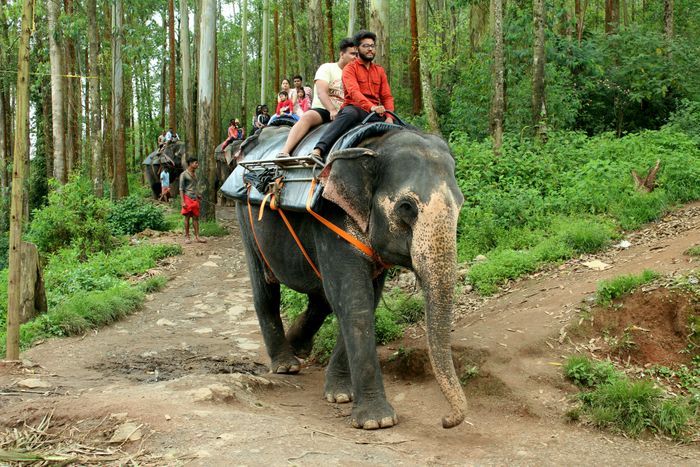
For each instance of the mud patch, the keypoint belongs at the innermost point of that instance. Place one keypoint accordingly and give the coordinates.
(169, 364)
(646, 327)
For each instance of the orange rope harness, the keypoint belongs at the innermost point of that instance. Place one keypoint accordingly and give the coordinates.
(366, 249)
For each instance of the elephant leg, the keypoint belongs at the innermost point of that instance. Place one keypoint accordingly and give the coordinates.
(301, 334)
(338, 386)
(354, 297)
(266, 298)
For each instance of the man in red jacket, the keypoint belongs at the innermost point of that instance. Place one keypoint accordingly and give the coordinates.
(366, 90)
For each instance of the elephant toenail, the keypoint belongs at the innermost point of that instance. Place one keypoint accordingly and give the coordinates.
(355, 424)
(342, 398)
(370, 425)
(330, 398)
(387, 422)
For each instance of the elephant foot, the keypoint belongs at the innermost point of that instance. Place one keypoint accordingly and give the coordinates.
(373, 415)
(338, 389)
(287, 365)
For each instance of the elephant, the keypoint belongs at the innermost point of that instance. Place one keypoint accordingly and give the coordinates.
(174, 156)
(225, 163)
(396, 193)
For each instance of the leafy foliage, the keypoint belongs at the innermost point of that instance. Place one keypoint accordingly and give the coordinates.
(135, 214)
(73, 217)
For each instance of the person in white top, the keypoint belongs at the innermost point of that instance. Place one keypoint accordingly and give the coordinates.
(328, 96)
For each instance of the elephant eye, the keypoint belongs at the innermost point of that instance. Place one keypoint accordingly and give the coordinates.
(407, 211)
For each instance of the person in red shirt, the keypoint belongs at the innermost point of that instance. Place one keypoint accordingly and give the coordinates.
(234, 132)
(366, 90)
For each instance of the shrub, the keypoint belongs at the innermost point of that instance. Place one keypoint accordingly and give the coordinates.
(586, 373)
(4, 249)
(135, 214)
(609, 290)
(73, 216)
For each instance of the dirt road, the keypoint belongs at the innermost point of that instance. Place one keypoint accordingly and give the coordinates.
(189, 371)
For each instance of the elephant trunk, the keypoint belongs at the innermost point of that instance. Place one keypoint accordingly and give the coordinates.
(434, 255)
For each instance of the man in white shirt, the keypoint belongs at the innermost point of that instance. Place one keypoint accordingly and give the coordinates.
(328, 96)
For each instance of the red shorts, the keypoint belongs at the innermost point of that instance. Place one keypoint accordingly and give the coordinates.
(191, 207)
(165, 190)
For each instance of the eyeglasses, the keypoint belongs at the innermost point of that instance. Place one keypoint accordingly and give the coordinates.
(354, 54)
(368, 46)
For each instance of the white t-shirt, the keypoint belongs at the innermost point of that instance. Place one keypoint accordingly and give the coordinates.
(333, 75)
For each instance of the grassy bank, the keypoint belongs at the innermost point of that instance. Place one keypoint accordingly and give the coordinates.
(542, 203)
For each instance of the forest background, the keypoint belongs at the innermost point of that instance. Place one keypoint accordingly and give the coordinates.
(548, 106)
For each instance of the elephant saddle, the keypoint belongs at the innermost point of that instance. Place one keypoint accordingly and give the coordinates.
(292, 185)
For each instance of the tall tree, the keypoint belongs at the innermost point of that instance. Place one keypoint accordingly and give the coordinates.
(329, 30)
(121, 186)
(668, 19)
(361, 22)
(95, 102)
(205, 105)
(172, 93)
(186, 81)
(4, 115)
(352, 17)
(19, 168)
(612, 16)
(539, 108)
(580, 11)
(264, 52)
(315, 31)
(57, 113)
(414, 62)
(498, 105)
(72, 97)
(244, 62)
(426, 82)
(379, 24)
(163, 75)
(276, 26)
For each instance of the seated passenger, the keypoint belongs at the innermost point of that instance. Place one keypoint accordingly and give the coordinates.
(328, 96)
(234, 133)
(366, 90)
(254, 120)
(285, 108)
(303, 104)
(262, 119)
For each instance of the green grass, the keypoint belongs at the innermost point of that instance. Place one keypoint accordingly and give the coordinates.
(82, 295)
(613, 401)
(396, 310)
(609, 290)
(542, 203)
(693, 251)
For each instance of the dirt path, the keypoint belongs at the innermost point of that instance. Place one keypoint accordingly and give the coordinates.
(190, 370)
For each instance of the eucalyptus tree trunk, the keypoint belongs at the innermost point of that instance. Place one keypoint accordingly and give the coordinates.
(172, 106)
(265, 50)
(352, 17)
(612, 16)
(19, 168)
(379, 24)
(361, 22)
(315, 31)
(4, 156)
(539, 109)
(164, 68)
(580, 11)
(121, 187)
(498, 105)
(414, 63)
(205, 106)
(57, 113)
(72, 95)
(276, 27)
(426, 84)
(95, 104)
(478, 23)
(244, 62)
(329, 31)
(186, 81)
(668, 19)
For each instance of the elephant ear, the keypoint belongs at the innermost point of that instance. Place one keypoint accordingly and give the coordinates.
(348, 182)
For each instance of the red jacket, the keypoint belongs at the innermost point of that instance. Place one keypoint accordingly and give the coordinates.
(366, 87)
(282, 104)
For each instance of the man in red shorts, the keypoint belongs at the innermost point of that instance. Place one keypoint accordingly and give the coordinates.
(190, 199)
(366, 90)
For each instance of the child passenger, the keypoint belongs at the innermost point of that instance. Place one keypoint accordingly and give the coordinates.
(285, 108)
